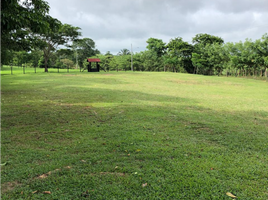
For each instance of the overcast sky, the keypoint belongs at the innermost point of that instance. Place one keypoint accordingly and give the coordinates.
(116, 24)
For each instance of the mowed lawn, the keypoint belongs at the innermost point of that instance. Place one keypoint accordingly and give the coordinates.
(125, 135)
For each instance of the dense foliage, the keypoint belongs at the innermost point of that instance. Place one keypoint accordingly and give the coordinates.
(19, 21)
(33, 39)
(26, 26)
(207, 55)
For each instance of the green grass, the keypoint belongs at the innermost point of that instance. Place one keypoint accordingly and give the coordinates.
(134, 135)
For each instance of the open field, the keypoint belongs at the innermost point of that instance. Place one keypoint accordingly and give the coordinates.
(134, 135)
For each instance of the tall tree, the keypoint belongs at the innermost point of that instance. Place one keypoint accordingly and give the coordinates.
(234, 53)
(247, 56)
(124, 52)
(157, 46)
(261, 47)
(22, 57)
(20, 19)
(181, 50)
(84, 49)
(218, 57)
(200, 54)
(59, 34)
(35, 56)
(150, 61)
(204, 38)
(199, 62)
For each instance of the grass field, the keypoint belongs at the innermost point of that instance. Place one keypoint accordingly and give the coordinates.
(134, 135)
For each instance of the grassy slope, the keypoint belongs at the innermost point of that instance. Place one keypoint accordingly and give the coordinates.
(185, 136)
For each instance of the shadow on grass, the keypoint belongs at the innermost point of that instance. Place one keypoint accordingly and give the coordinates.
(88, 94)
(132, 109)
(168, 142)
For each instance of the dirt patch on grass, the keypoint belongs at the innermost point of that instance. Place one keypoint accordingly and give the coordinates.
(88, 107)
(108, 74)
(8, 186)
(43, 176)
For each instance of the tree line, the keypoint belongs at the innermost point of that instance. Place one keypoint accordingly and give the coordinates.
(30, 36)
(207, 55)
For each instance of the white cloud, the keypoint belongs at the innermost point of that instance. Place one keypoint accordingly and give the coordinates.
(115, 24)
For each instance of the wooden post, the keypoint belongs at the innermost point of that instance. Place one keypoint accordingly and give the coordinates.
(11, 69)
(89, 67)
(98, 66)
(34, 69)
(23, 69)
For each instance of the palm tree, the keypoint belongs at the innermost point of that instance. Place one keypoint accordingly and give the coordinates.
(123, 52)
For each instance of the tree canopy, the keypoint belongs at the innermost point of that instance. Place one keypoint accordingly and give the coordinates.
(84, 48)
(156, 45)
(19, 21)
(61, 34)
(204, 39)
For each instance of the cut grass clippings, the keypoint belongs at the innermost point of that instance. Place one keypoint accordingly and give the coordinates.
(141, 135)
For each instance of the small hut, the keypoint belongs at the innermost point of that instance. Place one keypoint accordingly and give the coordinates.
(90, 68)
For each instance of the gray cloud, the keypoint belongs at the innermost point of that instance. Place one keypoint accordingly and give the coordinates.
(115, 24)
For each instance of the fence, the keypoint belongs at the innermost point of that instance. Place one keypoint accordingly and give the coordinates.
(24, 69)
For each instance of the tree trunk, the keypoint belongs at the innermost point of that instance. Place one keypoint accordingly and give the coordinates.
(266, 73)
(256, 72)
(46, 57)
(46, 68)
